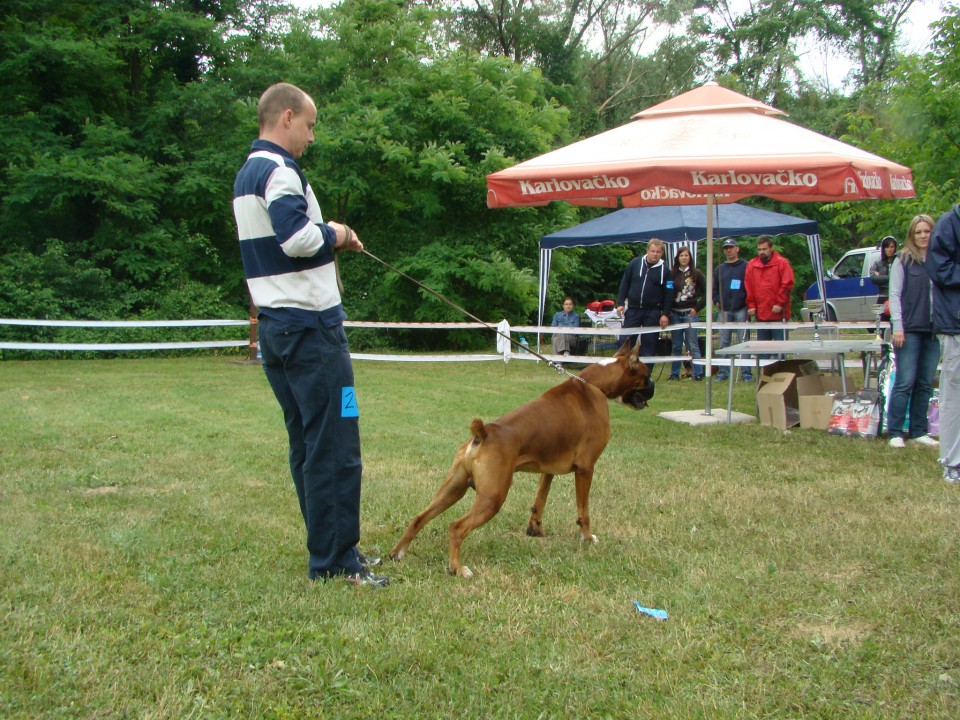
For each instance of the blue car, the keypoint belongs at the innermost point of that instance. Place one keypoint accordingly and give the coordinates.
(851, 294)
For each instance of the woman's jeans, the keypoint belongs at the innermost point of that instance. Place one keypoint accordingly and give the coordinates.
(916, 365)
(681, 337)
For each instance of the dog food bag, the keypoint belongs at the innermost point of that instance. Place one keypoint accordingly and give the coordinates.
(840, 415)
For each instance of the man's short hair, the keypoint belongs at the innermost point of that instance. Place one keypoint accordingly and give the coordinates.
(655, 242)
(764, 240)
(276, 99)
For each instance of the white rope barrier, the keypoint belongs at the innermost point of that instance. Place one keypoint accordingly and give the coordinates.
(433, 358)
(103, 347)
(126, 323)
(412, 325)
(506, 356)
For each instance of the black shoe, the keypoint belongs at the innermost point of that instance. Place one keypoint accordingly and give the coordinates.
(367, 560)
(673, 378)
(365, 577)
(698, 378)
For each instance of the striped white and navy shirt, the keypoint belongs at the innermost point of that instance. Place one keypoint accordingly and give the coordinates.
(286, 247)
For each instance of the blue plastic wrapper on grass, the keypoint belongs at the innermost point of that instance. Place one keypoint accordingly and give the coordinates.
(652, 612)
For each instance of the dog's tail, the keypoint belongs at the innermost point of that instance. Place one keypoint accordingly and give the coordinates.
(478, 430)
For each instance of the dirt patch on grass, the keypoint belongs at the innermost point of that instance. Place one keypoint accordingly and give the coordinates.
(102, 490)
(829, 634)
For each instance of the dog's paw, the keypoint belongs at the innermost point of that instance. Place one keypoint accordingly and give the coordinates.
(462, 571)
(397, 555)
(592, 539)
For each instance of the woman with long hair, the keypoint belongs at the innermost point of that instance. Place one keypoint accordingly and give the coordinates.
(689, 298)
(915, 346)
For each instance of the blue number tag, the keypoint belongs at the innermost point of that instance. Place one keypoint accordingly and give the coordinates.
(348, 403)
(734, 284)
(669, 284)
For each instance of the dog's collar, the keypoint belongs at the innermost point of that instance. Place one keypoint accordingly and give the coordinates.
(561, 370)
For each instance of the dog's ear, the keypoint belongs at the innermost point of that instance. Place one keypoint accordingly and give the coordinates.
(634, 357)
(629, 350)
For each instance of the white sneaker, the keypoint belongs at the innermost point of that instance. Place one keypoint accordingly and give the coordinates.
(896, 442)
(926, 440)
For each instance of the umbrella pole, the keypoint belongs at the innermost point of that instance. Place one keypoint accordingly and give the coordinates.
(708, 368)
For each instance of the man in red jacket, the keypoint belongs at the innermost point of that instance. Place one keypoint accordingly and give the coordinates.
(769, 281)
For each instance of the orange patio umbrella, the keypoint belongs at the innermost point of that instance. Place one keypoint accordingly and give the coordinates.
(709, 145)
(709, 141)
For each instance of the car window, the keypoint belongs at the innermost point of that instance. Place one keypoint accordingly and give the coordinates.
(850, 266)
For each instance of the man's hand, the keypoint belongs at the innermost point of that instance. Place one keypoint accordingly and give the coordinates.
(620, 311)
(752, 312)
(664, 321)
(346, 238)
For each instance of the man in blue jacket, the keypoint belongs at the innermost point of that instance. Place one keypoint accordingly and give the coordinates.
(943, 267)
(730, 298)
(647, 292)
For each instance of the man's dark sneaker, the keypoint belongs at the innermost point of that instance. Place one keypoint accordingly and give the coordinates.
(367, 560)
(673, 377)
(722, 378)
(365, 577)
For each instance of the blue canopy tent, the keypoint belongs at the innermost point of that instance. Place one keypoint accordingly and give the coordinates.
(677, 226)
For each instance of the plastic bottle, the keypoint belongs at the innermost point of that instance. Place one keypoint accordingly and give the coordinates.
(525, 346)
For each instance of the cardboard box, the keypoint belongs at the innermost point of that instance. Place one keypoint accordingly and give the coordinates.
(831, 383)
(799, 367)
(803, 368)
(815, 411)
(779, 405)
(777, 401)
(785, 399)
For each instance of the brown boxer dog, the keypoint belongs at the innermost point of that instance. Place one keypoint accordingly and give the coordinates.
(564, 430)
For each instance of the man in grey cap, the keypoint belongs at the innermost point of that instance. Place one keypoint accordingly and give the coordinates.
(730, 298)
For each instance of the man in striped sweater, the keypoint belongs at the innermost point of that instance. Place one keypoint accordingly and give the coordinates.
(288, 257)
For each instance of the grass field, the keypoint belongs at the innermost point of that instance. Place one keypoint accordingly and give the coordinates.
(152, 561)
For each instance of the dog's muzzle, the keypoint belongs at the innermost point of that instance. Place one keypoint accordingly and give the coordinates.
(638, 398)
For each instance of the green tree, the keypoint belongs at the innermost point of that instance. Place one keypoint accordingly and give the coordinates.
(869, 34)
(755, 46)
(405, 138)
(114, 146)
(917, 127)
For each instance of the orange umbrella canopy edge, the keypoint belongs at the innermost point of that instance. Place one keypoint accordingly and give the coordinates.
(709, 141)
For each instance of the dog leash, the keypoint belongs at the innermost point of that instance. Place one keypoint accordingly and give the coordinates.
(555, 365)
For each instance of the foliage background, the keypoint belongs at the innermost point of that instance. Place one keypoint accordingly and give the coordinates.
(125, 122)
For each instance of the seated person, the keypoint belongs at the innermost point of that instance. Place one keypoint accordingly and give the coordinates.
(565, 344)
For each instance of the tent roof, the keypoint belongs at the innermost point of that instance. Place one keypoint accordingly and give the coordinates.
(707, 142)
(677, 223)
